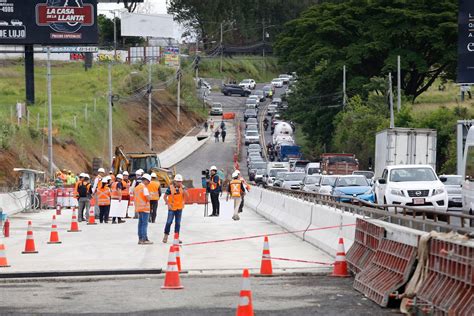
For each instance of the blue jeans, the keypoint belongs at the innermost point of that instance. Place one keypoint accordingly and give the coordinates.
(177, 223)
(143, 225)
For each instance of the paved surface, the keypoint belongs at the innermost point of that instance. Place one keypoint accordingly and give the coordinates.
(291, 295)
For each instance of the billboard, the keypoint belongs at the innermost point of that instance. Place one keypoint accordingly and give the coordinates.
(144, 25)
(466, 42)
(48, 22)
(171, 55)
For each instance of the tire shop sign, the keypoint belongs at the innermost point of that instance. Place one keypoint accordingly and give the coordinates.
(48, 22)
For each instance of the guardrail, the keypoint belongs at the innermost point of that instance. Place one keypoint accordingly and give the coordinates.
(425, 220)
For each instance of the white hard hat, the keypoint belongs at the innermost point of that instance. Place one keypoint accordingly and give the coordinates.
(153, 175)
(178, 177)
(138, 172)
(146, 176)
(237, 171)
(101, 170)
(105, 179)
(213, 168)
(81, 175)
(235, 174)
(125, 173)
(119, 176)
(86, 175)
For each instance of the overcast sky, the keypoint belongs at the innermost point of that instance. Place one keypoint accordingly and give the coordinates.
(157, 6)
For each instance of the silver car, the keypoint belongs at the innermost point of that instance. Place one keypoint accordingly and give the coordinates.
(252, 137)
(292, 180)
(327, 184)
(311, 183)
(453, 184)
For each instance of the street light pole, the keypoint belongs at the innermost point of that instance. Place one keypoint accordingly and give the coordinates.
(50, 117)
(221, 46)
(115, 36)
(150, 141)
(110, 115)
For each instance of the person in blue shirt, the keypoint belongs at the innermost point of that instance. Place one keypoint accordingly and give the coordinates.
(214, 187)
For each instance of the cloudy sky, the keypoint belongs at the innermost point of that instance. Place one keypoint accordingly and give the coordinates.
(154, 6)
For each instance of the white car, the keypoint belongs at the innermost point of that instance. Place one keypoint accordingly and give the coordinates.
(327, 184)
(277, 83)
(252, 137)
(248, 84)
(411, 185)
(216, 109)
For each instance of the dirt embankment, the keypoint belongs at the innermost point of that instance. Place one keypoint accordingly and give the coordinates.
(27, 151)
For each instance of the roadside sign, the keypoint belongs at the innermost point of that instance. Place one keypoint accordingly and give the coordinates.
(71, 49)
(48, 22)
(466, 42)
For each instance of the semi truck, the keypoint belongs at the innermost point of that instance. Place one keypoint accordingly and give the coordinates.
(340, 164)
(404, 146)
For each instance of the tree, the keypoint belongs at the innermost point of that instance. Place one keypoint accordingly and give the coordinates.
(366, 36)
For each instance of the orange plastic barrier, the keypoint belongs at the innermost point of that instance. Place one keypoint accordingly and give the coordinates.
(196, 196)
(228, 116)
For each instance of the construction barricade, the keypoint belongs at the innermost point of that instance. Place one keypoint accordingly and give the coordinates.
(228, 116)
(196, 196)
(366, 241)
(389, 269)
(448, 288)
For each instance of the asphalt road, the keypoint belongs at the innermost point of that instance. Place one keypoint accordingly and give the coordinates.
(214, 295)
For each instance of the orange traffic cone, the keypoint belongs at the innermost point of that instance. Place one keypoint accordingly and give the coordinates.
(340, 265)
(266, 266)
(172, 281)
(30, 241)
(74, 224)
(91, 217)
(58, 209)
(54, 236)
(245, 307)
(176, 250)
(3, 257)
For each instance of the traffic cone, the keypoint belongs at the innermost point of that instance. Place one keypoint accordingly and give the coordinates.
(266, 266)
(30, 241)
(74, 224)
(340, 265)
(58, 209)
(54, 236)
(245, 307)
(3, 257)
(172, 281)
(91, 220)
(176, 250)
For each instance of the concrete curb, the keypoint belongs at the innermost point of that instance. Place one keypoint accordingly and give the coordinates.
(182, 149)
(54, 274)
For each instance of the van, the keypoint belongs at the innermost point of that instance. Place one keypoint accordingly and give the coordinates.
(272, 170)
(468, 176)
(313, 168)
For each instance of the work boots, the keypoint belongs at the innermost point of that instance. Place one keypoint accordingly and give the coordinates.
(165, 238)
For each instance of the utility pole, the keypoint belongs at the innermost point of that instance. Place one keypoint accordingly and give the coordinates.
(344, 100)
(263, 40)
(37, 121)
(50, 117)
(110, 114)
(85, 112)
(221, 48)
(390, 99)
(150, 141)
(399, 85)
(115, 37)
(179, 85)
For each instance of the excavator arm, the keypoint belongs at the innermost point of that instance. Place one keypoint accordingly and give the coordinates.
(121, 161)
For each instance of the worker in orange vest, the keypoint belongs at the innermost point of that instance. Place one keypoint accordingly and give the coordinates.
(142, 208)
(95, 185)
(126, 189)
(175, 198)
(103, 199)
(247, 189)
(235, 190)
(75, 193)
(155, 193)
(116, 194)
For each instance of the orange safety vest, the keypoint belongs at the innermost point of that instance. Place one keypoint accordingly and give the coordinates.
(75, 193)
(154, 189)
(236, 188)
(142, 205)
(176, 199)
(115, 194)
(246, 185)
(112, 177)
(103, 195)
(213, 185)
(125, 188)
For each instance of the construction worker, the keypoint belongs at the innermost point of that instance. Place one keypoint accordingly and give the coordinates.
(247, 189)
(155, 193)
(97, 181)
(103, 199)
(175, 197)
(71, 178)
(126, 189)
(235, 190)
(116, 194)
(136, 182)
(111, 175)
(142, 208)
(84, 193)
(214, 189)
(74, 193)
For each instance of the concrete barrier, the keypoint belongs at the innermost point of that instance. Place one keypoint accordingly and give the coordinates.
(181, 150)
(14, 202)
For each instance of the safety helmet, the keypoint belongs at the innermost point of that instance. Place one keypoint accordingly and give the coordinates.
(235, 174)
(138, 172)
(81, 175)
(101, 170)
(153, 175)
(105, 179)
(86, 176)
(125, 173)
(111, 172)
(119, 176)
(213, 168)
(178, 177)
(237, 171)
(146, 176)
